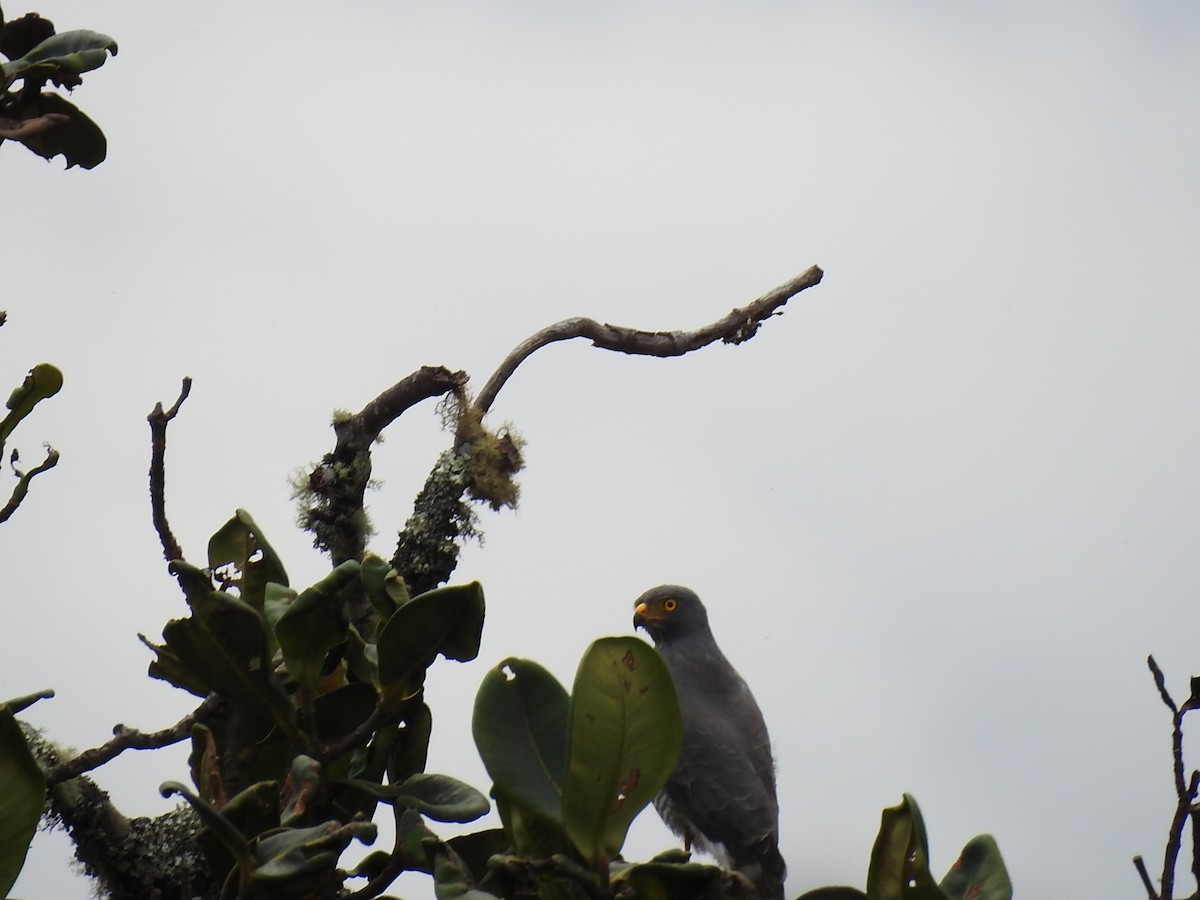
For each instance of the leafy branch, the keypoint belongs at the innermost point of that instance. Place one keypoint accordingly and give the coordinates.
(46, 122)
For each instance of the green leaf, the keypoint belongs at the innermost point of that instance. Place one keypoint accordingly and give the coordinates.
(447, 620)
(383, 585)
(219, 827)
(223, 646)
(305, 854)
(22, 797)
(440, 797)
(624, 742)
(251, 812)
(452, 880)
(69, 53)
(311, 624)
(42, 382)
(900, 859)
(520, 729)
(833, 893)
(979, 873)
(240, 543)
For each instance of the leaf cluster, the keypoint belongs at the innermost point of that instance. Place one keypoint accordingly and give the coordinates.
(45, 121)
(315, 726)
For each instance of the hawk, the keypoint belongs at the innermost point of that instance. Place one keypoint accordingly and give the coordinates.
(721, 796)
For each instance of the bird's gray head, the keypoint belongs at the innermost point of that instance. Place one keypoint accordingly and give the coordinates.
(670, 611)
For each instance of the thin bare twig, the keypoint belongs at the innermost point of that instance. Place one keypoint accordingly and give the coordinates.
(23, 479)
(158, 420)
(1160, 682)
(1140, 865)
(1175, 836)
(738, 326)
(131, 739)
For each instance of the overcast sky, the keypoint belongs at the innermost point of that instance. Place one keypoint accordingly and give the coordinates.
(940, 511)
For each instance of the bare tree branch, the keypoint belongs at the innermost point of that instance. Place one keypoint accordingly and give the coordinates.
(332, 493)
(738, 326)
(23, 479)
(1140, 865)
(158, 420)
(131, 739)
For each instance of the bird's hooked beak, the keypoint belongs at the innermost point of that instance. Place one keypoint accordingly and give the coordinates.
(642, 615)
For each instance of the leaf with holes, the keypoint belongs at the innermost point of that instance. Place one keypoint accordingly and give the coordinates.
(623, 743)
(520, 729)
(900, 858)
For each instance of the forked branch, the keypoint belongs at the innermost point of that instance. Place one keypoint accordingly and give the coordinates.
(158, 420)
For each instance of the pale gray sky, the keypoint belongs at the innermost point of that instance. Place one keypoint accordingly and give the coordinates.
(940, 511)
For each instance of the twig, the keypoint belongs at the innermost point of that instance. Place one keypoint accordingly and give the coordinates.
(738, 326)
(22, 488)
(158, 420)
(1160, 682)
(1175, 836)
(1140, 865)
(131, 739)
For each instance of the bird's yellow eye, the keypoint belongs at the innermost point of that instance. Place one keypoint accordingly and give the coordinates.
(670, 604)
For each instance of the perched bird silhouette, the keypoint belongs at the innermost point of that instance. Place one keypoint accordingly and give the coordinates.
(721, 796)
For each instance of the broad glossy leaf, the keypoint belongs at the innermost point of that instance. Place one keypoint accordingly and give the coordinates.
(221, 828)
(838, 892)
(440, 797)
(63, 54)
(900, 859)
(623, 743)
(253, 811)
(290, 854)
(223, 645)
(383, 586)
(447, 620)
(979, 873)
(313, 623)
(22, 796)
(520, 729)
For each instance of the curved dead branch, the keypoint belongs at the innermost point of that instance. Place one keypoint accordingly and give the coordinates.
(738, 326)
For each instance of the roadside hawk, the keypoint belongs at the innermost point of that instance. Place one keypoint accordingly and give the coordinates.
(721, 796)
